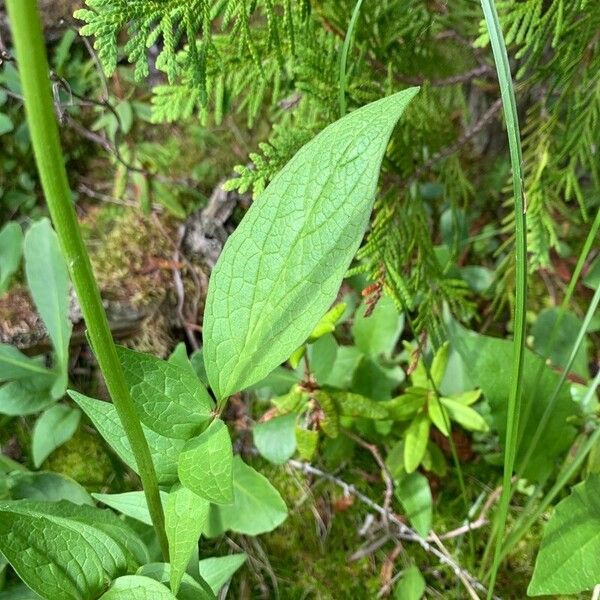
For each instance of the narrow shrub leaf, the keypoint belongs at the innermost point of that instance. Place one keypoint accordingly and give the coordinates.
(281, 269)
(48, 282)
(205, 464)
(186, 515)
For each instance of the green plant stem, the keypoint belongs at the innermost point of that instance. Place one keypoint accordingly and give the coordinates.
(33, 70)
(344, 57)
(509, 105)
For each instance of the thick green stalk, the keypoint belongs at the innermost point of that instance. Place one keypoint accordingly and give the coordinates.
(34, 72)
(509, 105)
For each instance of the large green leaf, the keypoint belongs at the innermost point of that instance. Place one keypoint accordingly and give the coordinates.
(281, 269)
(569, 558)
(54, 427)
(48, 282)
(137, 587)
(11, 249)
(186, 515)
(377, 334)
(563, 340)
(170, 398)
(62, 550)
(164, 450)
(257, 506)
(218, 570)
(489, 363)
(275, 439)
(205, 464)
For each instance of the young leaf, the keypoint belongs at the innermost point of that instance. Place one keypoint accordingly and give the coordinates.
(415, 442)
(58, 550)
(257, 506)
(186, 515)
(26, 397)
(218, 570)
(103, 415)
(275, 439)
(355, 405)
(568, 560)
(411, 585)
(403, 408)
(464, 415)
(413, 492)
(377, 334)
(288, 256)
(330, 424)
(205, 464)
(439, 363)
(436, 414)
(11, 249)
(327, 323)
(48, 282)
(137, 587)
(130, 504)
(306, 442)
(170, 399)
(54, 427)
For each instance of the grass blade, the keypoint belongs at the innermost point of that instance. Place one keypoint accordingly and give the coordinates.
(344, 57)
(509, 106)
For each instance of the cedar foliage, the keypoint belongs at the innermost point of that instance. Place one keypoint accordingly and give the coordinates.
(279, 61)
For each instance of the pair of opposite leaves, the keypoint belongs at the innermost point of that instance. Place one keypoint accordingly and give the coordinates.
(282, 268)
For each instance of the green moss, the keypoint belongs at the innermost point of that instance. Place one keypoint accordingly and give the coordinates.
(84, 459)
